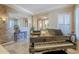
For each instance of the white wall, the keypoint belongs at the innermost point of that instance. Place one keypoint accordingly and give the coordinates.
(52, 17)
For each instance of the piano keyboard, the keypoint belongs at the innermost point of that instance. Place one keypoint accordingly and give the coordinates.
(48, 46)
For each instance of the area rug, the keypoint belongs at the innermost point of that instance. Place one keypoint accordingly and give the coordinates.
(56, 52)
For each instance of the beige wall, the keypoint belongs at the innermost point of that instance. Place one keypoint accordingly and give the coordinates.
(3, 16)
(35, 22)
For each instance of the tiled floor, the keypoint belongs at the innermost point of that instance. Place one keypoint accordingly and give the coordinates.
(20, 47)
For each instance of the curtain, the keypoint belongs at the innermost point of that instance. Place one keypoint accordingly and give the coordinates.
(64, 23)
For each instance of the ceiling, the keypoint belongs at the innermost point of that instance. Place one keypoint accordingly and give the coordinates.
(36, 8)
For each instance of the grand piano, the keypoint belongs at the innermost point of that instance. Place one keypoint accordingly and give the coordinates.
(50, 40)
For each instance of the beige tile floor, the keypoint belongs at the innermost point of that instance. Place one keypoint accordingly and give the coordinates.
(3, 50)
(20, 47)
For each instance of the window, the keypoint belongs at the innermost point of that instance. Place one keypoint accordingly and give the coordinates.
(64, 23)
(43, 24)
(10, 24)
(77, 23)
(23, 22)
(20, 22)
(40, 24)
